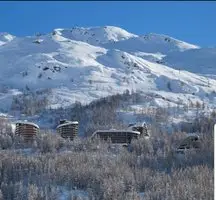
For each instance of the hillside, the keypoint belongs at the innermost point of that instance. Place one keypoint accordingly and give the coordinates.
(200, 61)
(85, 64)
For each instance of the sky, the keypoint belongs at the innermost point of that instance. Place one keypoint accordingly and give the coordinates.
(193, 22)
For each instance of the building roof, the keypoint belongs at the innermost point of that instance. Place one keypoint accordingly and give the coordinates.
(115, 131)
(28, 123)
(192, 135)
(137, 124)
(67, 123)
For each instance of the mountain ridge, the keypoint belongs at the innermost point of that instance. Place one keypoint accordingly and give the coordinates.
(78, 68)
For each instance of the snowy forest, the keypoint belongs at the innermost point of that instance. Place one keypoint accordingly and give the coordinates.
(55, 168)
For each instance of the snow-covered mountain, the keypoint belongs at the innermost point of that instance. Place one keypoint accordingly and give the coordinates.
(83, 64)
(95, 35)
(5, 37)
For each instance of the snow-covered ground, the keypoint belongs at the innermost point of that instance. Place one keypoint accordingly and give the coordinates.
(201, 61)
(84, 64)
(64, 194)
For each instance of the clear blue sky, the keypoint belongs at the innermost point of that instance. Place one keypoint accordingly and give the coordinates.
(193, 22)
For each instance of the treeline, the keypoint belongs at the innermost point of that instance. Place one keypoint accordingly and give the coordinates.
(99, 114)
(104, 113)
(30, 103)
(201, 124)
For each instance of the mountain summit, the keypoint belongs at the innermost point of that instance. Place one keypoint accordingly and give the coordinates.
(95, 35)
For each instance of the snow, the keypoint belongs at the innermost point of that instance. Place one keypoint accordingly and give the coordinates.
(151, 43)
(201, 61)
(26, 122)
(85, 64)
(13, 127)
(5, 38)
(68, 123)
(150, 56)
(64, 193)
(141, 194)
(95, 35)
(6, 99)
